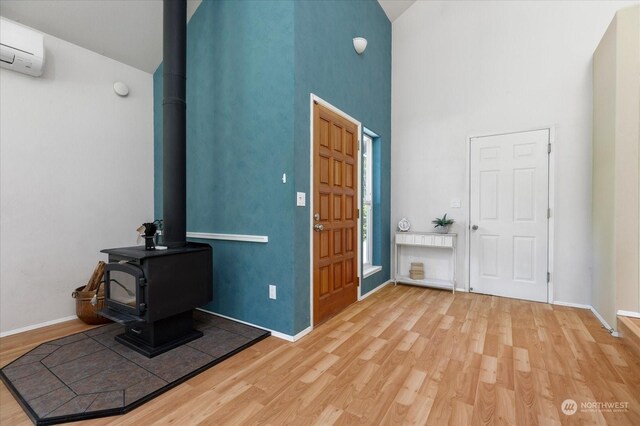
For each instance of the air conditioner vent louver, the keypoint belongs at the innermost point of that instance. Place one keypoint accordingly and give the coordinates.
(21, 49)
(6, 55)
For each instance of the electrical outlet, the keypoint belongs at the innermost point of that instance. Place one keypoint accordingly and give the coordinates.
(272, 291)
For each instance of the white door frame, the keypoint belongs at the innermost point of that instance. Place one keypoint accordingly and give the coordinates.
(551, 195)
(312, 99)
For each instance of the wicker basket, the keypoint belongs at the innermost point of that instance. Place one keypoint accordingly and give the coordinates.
(87, 312)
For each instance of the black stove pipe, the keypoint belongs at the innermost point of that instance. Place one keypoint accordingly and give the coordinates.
(174, 109)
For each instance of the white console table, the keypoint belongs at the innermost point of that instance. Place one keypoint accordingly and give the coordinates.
(426, 240)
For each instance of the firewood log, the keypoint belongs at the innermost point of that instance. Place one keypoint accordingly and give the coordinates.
(96, 277)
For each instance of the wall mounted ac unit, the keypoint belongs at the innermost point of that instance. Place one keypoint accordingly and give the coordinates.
(21, 49)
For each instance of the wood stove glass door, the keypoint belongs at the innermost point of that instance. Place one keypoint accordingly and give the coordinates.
(123, 287)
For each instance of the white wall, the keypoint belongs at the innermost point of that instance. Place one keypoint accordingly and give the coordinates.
(463, 69)
(616, 136)
(603, 177)
(76, 176)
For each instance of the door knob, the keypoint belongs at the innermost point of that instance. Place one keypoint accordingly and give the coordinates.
(318, 227)
(474, 227)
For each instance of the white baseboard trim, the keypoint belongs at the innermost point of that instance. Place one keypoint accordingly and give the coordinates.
(35, 326)
(572, 305)
(274, 333)
(604, 323)
(296, 337)
(628, 314)
(381, 286)
(462, 290)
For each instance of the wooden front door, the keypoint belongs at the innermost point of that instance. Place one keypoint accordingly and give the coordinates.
(335, 213)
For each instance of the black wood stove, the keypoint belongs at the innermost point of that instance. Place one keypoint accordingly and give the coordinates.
(153, 292)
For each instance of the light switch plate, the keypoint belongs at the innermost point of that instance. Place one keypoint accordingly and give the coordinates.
(272, 291)
(456, 203)
(301, 199)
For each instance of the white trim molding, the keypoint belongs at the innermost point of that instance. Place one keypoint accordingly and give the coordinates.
(380, 287)
(628, 314)
(292, 338)
(551, 234)
(274, 333)
(229, 237)
(370, 270)
(572, 305)
(604, 323)
(35, 326)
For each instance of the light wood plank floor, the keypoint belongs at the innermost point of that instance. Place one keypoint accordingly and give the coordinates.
(404, 355)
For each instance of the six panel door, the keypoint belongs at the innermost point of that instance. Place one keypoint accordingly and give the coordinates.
(509, 204)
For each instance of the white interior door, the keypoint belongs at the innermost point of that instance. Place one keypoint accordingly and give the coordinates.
(508, 215)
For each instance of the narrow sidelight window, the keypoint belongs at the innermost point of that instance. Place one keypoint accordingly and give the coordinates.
(367, 201)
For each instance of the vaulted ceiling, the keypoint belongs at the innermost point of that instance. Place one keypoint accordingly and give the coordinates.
(129, 31)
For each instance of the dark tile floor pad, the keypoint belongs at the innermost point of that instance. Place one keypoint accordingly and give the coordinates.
(89, 374)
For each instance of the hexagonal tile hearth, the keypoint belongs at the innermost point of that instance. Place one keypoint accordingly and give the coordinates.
(88, 375)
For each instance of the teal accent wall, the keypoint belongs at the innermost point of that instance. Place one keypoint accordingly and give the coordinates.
(249, 74)
(239, 143)
(360, 85)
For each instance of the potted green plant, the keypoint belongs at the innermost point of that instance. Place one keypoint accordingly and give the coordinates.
(442, 224)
